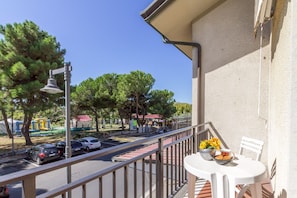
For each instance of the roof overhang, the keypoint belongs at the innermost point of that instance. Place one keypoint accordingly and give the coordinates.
(173, 18)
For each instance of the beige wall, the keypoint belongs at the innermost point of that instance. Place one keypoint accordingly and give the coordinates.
(252, 90)
(235, 97)
(283, 99)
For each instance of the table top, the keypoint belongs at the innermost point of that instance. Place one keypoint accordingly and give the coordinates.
(242, 169)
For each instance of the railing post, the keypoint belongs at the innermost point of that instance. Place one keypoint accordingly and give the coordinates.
(159, 171)
(194, 145)
(29, 187)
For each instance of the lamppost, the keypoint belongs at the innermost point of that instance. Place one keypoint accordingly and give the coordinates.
(52, 88)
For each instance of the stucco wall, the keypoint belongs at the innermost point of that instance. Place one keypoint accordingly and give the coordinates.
(283, 99)
(235, 97)
(252, 90)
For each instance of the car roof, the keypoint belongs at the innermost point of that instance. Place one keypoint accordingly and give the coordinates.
(89, 138)
(70, 141)
(46, 145)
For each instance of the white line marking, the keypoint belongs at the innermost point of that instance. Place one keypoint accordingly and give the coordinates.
(34, 164)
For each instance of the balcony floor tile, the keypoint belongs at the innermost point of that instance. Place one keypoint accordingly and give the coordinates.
(203, 190)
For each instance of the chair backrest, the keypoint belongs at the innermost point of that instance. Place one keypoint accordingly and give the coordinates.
(251, 144)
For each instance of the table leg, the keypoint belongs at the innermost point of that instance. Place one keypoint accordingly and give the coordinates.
(231, 187)
(191, 185)
(256, 190)
(220, 186)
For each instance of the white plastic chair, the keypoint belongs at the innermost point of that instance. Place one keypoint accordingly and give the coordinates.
(249, 145)
(253, 145)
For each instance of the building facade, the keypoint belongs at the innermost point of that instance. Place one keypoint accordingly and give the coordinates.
(244, 61)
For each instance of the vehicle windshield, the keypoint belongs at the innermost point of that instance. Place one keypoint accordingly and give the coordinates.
(50, 150)
(75, 144)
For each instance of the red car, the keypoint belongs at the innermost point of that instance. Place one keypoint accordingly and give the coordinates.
(4, 192)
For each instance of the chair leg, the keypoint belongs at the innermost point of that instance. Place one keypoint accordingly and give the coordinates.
(242, 191)
(256, 190)
(191, 185)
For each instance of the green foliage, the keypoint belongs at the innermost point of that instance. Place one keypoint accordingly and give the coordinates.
(137, 87)
(95, 96)
(162, 102)
(123, 94)
(183, 108)
(138, 82)
(26, 55)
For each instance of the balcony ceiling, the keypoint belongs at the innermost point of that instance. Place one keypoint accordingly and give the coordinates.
(173, 18)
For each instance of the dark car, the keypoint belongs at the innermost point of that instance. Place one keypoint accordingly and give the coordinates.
(43, 153)
(4, 192)
(77, 147)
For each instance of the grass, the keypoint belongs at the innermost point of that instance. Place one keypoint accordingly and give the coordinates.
(50, 137)
(20, 143)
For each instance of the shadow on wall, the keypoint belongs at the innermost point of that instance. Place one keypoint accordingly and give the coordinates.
(278, 18)
(283, 193)
(268, 191)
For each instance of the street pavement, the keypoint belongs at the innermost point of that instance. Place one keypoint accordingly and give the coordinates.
(115, 139)
(10, 163)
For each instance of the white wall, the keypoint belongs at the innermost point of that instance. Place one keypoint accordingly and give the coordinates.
(252, 90)
(283, 99)
(235, 98)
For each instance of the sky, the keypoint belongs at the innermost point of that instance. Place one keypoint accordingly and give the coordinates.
(106, 36)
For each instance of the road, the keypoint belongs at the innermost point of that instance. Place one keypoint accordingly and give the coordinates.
(57, 178)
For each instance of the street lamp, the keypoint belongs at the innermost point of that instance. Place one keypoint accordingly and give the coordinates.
(52, 88)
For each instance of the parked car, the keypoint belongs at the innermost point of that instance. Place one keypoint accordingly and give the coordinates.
(43, 153)
(4, 192)
(163, 130)
(90, 143)
(77, 147)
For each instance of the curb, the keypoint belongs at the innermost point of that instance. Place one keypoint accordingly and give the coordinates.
(11, 156)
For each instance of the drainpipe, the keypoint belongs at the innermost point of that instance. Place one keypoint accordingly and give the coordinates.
(198, 70)
(197, 45)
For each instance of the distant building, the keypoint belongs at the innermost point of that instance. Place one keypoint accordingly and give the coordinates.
(81, 122)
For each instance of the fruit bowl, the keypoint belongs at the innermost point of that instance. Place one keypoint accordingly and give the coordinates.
(223, 159)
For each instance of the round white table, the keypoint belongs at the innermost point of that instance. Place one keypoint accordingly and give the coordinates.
(223, 178)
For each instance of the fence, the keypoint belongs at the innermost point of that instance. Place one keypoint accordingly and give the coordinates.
(158, 172)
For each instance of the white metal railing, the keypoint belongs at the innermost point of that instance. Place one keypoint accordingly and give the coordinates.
(160, 171)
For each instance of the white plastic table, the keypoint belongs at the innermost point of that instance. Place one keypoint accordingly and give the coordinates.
(223, 178)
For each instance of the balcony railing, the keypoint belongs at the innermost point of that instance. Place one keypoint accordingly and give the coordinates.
(157, 172)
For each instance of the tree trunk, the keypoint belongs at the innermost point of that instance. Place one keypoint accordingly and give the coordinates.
(25, 129)
(122, 121)
(137, 112)
(96, 121)
(9, 132)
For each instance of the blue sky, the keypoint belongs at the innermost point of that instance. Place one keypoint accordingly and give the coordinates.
(106, 36)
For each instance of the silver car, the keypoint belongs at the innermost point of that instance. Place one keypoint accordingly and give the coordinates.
(90, 143)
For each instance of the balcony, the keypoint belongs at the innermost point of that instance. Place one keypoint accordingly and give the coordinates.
(154, 169)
